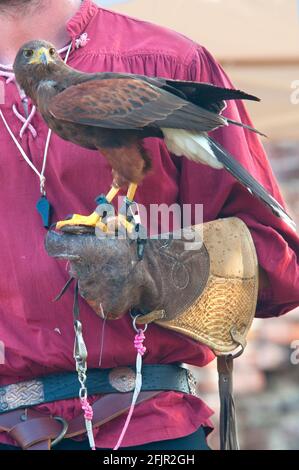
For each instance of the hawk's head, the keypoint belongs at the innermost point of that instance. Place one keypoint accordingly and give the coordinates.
(34, 62)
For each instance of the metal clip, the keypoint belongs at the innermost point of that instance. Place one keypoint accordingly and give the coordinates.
(80, 350)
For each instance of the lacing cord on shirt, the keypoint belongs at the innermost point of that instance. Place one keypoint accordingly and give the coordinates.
(7, 72)
(27, 125)
(26, 122)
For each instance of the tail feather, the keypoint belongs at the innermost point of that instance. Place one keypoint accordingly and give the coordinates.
(246, 126)
(252, 185)
(200, 148)
(207, 95)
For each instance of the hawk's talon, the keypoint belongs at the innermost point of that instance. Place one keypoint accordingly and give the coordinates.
(77, 219)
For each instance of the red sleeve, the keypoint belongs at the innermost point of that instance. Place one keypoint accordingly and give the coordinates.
(222, 196)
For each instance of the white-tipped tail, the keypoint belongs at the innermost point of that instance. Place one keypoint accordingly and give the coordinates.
(192, 145)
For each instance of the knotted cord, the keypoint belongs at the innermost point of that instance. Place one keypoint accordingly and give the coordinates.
(141, 349)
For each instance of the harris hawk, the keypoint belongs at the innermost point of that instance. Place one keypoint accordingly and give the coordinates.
(114, 112)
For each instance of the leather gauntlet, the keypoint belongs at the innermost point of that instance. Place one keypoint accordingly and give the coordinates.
(205, 288)
(222, 314)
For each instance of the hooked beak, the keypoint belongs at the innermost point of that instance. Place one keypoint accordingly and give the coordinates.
(42, 56)
(44, 59)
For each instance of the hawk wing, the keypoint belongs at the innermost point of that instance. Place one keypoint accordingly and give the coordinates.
(207, 95)
(129, 103)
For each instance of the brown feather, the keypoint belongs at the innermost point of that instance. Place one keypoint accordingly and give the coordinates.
(128, 103)
(130, 163)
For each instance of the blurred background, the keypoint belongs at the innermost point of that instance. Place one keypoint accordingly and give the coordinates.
(257, 42)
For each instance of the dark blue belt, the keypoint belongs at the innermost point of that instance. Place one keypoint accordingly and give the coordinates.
(65, 385)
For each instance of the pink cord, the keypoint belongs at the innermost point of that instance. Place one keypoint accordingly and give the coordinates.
(138, 344)
(125, 428)
(10, 76)
(7, 73)
(87, 408)
(26, 122)
(88, 415)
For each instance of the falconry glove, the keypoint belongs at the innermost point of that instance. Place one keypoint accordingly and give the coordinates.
(201, 282)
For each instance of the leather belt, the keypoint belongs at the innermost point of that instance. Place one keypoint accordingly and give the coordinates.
(99, 381)
(33, 430)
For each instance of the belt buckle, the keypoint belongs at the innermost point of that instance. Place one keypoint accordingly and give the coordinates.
(63, 432)
(122, 379)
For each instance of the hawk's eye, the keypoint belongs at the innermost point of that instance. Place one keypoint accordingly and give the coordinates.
(52, 51)
(28, 53)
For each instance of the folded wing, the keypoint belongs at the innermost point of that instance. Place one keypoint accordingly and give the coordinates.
(127, 103)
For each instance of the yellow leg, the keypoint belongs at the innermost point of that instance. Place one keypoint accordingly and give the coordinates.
(129, 226)
(88, 220)
(120, 219)
(132, 191)
(112, 193)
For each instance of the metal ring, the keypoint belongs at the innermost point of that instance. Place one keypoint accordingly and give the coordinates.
(83, 393)
(65, 425)
(135, 327)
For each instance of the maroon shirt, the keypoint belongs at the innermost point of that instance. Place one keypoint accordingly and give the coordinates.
(38, 334)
